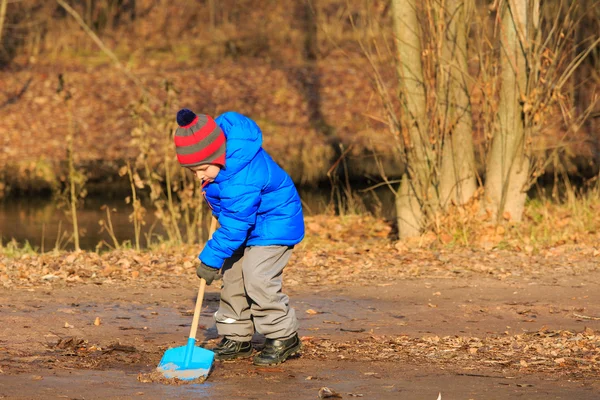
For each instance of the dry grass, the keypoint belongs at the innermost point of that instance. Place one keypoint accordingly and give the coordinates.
(546, 222)
(573, 221)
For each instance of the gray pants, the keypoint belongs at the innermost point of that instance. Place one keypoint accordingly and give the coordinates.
(251, 297)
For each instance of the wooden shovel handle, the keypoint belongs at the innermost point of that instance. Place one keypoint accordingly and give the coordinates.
(198, 309)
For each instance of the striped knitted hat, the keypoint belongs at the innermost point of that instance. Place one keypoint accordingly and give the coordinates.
(198, 140)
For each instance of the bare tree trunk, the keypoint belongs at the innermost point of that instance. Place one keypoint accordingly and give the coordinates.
(89, 6)
(415, 187)
(2, 17)
(212, 10)
(457, 180)
(508, 165)
(306, 75)
(588, 94)
(409, 214)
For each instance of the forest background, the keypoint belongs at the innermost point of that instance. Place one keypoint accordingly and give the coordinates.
(89, 90)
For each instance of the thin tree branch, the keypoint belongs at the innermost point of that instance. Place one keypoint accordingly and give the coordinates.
(103, 47)
(2, 17)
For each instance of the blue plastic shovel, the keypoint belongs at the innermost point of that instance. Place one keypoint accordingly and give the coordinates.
(188, 362)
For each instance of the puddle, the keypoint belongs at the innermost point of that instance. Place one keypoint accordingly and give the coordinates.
(94, 385)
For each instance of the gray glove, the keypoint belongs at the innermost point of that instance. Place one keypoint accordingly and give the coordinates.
(207, 273)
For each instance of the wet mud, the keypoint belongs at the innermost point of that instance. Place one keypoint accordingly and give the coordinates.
(464, 338)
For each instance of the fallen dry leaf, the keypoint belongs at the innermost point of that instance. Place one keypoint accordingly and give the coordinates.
(326, 393)
(313, 312)
(536, 351)
(269, 369)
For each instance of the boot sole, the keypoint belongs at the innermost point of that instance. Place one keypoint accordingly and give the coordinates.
(289, 353)
(234, 356)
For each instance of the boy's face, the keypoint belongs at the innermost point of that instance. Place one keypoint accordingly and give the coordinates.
(206, 172)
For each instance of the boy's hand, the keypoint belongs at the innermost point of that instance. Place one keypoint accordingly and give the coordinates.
(207, 273)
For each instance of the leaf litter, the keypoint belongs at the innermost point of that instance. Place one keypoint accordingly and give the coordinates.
(356, 250)
(548, 351)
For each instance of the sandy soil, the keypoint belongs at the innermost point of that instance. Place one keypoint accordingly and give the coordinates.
(53, 347)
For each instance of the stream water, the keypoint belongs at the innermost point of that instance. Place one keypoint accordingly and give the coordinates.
(42, 224)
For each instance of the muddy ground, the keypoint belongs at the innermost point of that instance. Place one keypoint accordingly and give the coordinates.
(474, 337)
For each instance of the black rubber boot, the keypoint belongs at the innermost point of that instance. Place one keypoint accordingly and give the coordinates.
(277, 351)
(229, 349)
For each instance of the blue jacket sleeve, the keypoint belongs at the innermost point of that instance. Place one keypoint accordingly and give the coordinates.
(239, 204)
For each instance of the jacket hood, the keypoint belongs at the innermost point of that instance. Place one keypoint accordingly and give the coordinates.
(244, 141)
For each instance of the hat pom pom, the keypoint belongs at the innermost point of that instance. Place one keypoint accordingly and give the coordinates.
(185, 117)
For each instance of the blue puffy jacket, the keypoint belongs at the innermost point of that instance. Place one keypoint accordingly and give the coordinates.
(253, 198)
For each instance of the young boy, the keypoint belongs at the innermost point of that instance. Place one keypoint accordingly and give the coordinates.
(260, 218)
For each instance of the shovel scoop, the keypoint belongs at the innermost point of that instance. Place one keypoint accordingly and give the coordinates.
(188, 362)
